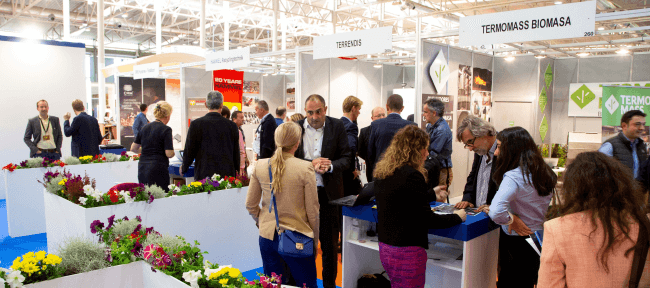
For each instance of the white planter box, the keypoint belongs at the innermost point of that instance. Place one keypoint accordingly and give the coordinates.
(25, 208)
(133, 275)
(219, 221)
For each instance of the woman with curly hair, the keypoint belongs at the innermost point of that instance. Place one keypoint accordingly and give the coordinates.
(592, 243)
(405, 215)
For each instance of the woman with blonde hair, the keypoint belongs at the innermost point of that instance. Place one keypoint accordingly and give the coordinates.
(404, 214)
(295, 117)
(154, 142)
(294, 188)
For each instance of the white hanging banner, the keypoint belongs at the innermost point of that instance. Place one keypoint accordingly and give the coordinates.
(231, 59)
(149, 70)
(544, 23)
(369, 41)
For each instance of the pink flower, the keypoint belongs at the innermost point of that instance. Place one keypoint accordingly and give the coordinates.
(149, 250)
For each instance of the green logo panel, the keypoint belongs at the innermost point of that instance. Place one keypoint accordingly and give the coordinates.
(583, 96)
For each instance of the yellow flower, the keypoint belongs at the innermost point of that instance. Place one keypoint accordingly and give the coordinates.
(196, 184)
(40, 255)
(234, 273)
(16, 265)
(29, 255)
(52, 259)
(62, 182)
(30, 268)
(223, 281)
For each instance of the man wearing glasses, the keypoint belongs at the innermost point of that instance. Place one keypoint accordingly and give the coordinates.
(628, 147)
(325, 145)
(480, 137)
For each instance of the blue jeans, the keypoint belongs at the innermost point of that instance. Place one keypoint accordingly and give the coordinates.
(53, 156)
(303, 270)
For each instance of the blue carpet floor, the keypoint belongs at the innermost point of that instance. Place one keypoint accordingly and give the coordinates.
(10, 248)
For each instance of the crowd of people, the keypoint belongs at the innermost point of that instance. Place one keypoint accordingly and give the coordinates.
(597, 231)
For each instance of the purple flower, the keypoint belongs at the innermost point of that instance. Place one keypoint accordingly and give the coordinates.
(138, 218)
(150, 199)
(110, 222)
(133, 193)
(203, 181)
(137, 248)
(137, 229)
(123, 153)
(107, 252)
(148, 230)
(96, 225)
(166, 260)
(23, 164)
(125, 218)
(153, 269)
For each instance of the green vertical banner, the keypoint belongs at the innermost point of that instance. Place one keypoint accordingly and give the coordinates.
(619, 99)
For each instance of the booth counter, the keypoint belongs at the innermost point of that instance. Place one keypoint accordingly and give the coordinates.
(25, 206)
(476, 239)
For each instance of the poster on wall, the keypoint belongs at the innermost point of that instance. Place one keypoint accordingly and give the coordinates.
(252, 87)
(195, 109)
(173, 97)
(464, 91)
(132, 93)
(481, 96)
(290, 101)
(231, 84)
(449, 108)
(620, 100)
(586, 98)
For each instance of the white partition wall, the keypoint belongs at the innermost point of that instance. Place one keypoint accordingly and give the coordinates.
(343, 83)
(31, 70)
(369, 87)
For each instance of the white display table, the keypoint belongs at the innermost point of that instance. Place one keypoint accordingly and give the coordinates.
(219, 221)
(478, 242)
(25, 208)
(133, 275)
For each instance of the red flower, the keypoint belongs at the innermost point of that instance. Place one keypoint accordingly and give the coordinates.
(61, 164)
(10, 167)
(114, 196)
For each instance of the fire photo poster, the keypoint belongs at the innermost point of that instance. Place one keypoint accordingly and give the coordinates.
(132, 94)
(291, 97)
(481, 98)
(464, 91)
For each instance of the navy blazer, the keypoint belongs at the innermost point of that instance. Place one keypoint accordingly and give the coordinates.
(352, 185)
(267, 137)
(336, 149)
(362, 150)
(138, 123)
(382, 134)
(469, 194)
(85, 134)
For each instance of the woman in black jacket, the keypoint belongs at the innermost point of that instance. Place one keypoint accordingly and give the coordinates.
(405, 215)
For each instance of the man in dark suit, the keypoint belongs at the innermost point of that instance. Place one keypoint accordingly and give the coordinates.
(84, 130)
(364, 136)
(213, 141)
(325, 144)
(479, 136)
(43, 134)
(264, 144)
(351, 111)
(140, 120)
(383, 130)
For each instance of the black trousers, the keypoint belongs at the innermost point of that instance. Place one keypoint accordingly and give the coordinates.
(329, 238)
(154, 173)
(518, 260)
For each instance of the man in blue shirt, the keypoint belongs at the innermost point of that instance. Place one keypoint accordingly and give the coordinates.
(140, 120)
(279, 115)
(440, 138)
(628, 147)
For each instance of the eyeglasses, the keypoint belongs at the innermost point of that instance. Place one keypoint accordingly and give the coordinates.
(470, 142)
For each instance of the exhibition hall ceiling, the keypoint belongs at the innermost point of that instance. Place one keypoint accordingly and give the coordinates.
(131, 25)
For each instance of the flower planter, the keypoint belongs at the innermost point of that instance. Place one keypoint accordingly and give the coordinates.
(134, 275)
(219, 221)
(25, 207)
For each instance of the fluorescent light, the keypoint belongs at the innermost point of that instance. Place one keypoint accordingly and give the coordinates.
(265, 74)
(622, 51)
(601, 28)
(583, 54)
(196, 42)
(377, 65)
(243, 32)
(540, 56)
(557, 2)
(125, 15)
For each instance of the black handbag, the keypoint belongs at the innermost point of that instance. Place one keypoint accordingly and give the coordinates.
(640, 253)
(373, 281)
(292, 243)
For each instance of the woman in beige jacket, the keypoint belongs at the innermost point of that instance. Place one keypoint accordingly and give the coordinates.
(294, 187)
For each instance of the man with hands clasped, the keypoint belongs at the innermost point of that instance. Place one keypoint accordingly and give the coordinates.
(46, 133)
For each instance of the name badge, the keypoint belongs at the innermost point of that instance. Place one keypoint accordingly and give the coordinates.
(46, 137)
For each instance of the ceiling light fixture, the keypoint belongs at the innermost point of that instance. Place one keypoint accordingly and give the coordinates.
(243, 33)
(125, 15)
(265, 74)
(557, 2)
(510, 58)
(377, 65)
(539, 56)
(196, 42)
(583, 54)
(601, 28)
(623, 51)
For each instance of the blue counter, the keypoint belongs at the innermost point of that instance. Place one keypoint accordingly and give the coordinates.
(474, 226)
(112, 151)
(174, 170)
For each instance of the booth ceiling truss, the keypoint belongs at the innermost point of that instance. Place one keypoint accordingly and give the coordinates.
(131, 25)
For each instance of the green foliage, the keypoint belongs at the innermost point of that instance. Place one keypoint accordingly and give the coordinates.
(71, 160)
(561, 153)
(110, 157)
(35, 162)
(168, 242)
(81, 255)
(125, 228)
(53, 186)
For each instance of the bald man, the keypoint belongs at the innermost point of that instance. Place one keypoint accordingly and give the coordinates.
(364, 135)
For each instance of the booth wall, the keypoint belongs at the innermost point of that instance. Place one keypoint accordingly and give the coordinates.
(588, 70)
(273, 91)
(198, 83)
(30, 72)
(314, 78)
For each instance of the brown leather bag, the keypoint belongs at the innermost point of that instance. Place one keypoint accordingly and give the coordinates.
(640, 253)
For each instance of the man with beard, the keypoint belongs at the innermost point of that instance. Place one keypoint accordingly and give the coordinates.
(480, 137)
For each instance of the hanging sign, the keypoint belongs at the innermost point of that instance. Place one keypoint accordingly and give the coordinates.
(551, 22)
(231, 84)
(231, 59)
(585, 99)
(149, 70)
(369, 41)
(619, 99)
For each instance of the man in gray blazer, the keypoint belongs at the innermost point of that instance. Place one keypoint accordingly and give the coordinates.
(43, 134)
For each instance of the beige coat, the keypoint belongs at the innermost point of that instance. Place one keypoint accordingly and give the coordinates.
(298, 206)
(569, 256)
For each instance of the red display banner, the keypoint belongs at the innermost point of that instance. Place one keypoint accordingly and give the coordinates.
(230, 83)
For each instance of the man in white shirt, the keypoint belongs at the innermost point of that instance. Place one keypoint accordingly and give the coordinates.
(43, 134)
(264, 144)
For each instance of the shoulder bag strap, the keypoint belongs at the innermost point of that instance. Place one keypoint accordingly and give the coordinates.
(273, 203)
(640, 253)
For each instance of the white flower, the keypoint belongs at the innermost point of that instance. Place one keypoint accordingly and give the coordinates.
(209, 272)
(2, 281)
(83, 200)
(97, 195)
(15, 279)
(192, 277)
(215, 177)
(128, 199)
(228, 185)
(171, 187)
